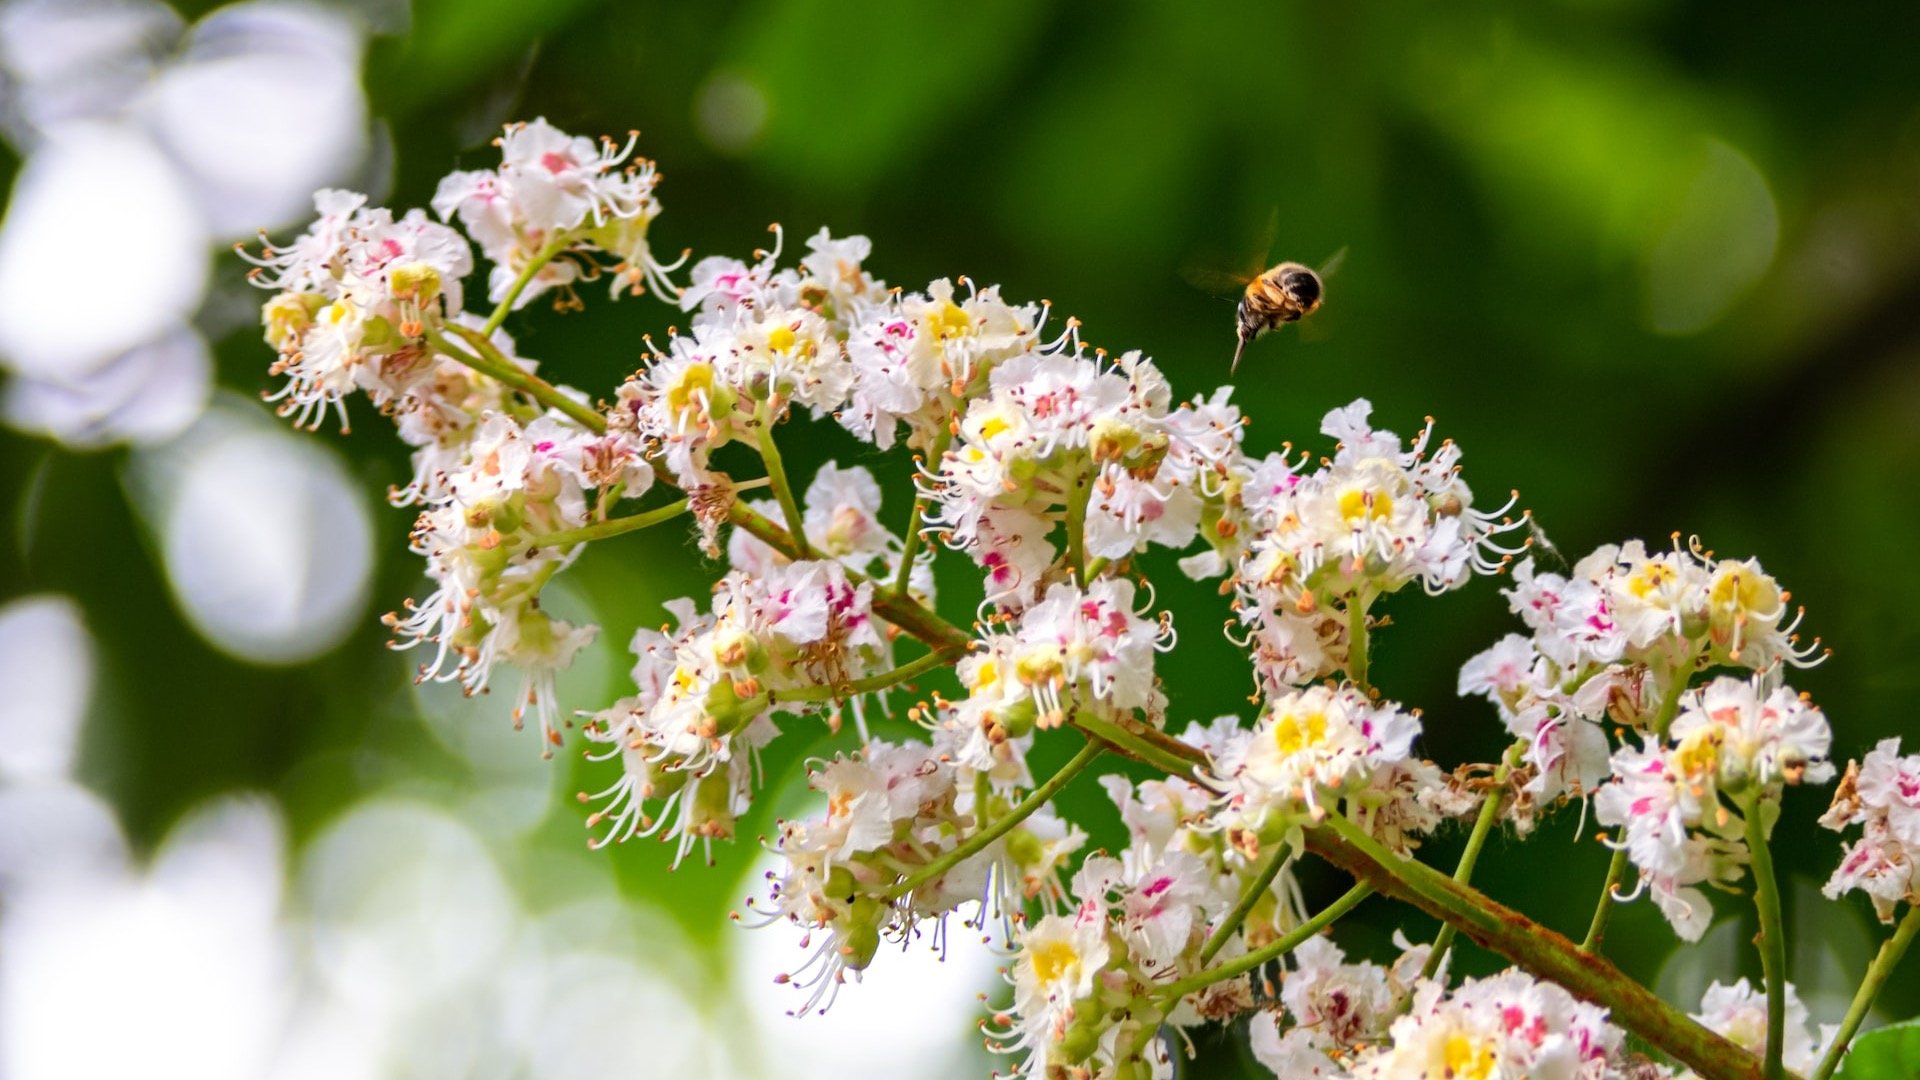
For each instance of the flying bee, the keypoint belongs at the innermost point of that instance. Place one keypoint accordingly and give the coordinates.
(1269, 299)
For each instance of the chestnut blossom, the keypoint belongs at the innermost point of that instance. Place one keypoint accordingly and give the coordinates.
(1077, 649)
(1880, 793)
(1509, 1024)
(916, 357)
(553, 193)
(1739, 1012)
(1053, 467)
(1732, 740)
(1671, 610)
(708, 691)
(1332, 1008)
(1308, 750)
(1372, 519)
(355, 296)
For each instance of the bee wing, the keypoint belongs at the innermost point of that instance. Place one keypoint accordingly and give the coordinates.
(1269, 232)
(1331, 265)
(1224, 284)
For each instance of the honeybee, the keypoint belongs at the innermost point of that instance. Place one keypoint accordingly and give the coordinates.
(1269, 299)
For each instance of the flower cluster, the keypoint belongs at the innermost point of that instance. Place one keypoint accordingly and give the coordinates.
(1057, 439)
(1617, 640)
(1333, 1009)
(1311, 551)
(554, 199)
(1077, 649)
(354, 299)
(709, 688)
(1052, 467)
(1734, 742)
(1315, 747)
(1882, 795)
(1509, 1024)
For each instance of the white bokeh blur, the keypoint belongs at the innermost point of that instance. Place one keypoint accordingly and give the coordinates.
(46, 665)
(213, 131)
(265, 537)
(399, 940)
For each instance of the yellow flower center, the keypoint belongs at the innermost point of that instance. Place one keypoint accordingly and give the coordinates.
(1467, 1059)
(1357, 503)
(780, 339)
(1649, 578)
(1699, 753)
(1040, 664)
(1052, 959)
(948, 320)
(1293, 732)
(1740, 589)
(694, 383)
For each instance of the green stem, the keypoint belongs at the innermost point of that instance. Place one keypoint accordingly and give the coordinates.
(1357, 641)
(1617, 869)
(601, 530)
(935, 454)
(1597, 929)
(1240, 965)
(488, 361)
(541, 258)
(1534, 947)
(782, 490)
(978, 842)
(1773, 937)
(1077, 498)
(1255, 889)
(1097, 566)
(1482, 826)
(1891, 951)
(1131, 744)
(873, 683)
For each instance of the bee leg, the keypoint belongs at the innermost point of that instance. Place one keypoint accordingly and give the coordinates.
(1239, 347)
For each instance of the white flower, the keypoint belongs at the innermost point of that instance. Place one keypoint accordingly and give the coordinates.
(554, 191)
(1882, 794)
(1739, 1012)
(1312, 746)
(1768, 739)
(1508, 1025)
(1058, 960)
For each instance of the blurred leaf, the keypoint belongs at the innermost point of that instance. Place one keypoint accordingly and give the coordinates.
(1889, 1053)
(851, 91)
(458, 42)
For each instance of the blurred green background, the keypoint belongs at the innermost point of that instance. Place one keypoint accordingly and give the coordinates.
(1655, 265)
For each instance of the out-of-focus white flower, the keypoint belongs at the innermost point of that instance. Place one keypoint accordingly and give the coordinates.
(1739, 1012)
(266, 542)
(224, 109)
(190, 954)
(46, 664)
(200, 146)
(68, 205)
(145, 395)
